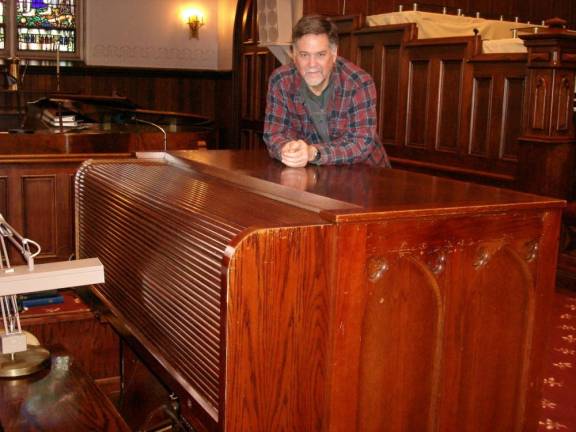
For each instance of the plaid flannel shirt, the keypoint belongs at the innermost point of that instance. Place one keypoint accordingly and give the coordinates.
(351, 116)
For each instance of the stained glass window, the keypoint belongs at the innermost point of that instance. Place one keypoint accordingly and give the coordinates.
(46, 25)
(2, 28)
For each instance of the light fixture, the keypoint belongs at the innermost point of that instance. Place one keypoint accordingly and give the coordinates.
(195, 21)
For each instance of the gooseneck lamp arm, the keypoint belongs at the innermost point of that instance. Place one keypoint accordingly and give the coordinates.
(21, 243)
(161, 129)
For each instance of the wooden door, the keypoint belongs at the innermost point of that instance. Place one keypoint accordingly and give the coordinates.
(253, 66)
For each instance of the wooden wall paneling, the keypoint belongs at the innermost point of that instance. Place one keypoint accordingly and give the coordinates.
(354, 7)
(450, 96)
(65, 214)
(4, 195)
(247, 11)
(497, 107)
(544, 10)
(431, 102)
(481, 116)
(265, 64)
(461, 132)
(224, 107)
(196, 92)
(251, 139)
(420, 104)
(254, 65)
(378, 51)
(46, 211)
(391, 101)
(512, 117)
(334, 7)
(39, 211)
(244, 139)
(247, 74)
(346, 25)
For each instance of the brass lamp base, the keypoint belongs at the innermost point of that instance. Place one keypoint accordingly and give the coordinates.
(24, 363)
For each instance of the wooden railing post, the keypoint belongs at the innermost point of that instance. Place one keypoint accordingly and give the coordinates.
(547, 145)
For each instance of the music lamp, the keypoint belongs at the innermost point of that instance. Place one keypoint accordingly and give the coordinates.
(18, 357)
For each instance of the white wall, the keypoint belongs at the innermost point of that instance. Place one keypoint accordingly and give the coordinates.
(152, 33)
(226, 15)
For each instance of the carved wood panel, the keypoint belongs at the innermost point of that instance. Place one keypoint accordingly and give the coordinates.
(403, 359)
(541, 89)
(427, 293)
(500, 306)
(563, 112)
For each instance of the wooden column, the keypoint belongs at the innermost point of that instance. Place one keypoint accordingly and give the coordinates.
(547, 143)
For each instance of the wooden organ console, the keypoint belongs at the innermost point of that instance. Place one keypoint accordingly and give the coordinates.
(324, 298)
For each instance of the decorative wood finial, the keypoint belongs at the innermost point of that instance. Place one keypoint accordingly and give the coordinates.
(556, 23)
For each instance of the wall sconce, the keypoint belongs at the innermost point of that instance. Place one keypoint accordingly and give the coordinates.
(194, 23)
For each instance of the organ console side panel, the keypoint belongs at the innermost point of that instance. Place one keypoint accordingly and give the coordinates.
(368, 299)
(277, 347)
(429, 287)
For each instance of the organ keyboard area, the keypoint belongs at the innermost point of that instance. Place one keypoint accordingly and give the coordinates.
(324, 298)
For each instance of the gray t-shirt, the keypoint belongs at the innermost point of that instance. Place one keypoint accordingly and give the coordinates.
(316, 106)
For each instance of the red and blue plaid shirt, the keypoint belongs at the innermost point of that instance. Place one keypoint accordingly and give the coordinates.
(351, 115)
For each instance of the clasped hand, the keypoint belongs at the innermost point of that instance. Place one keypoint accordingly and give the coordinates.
(297, 153)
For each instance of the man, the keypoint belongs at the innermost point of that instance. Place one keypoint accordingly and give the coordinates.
(322, 108)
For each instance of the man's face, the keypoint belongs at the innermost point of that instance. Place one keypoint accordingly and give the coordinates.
(314, 58)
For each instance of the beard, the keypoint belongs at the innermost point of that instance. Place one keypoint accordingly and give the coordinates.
(314, 78)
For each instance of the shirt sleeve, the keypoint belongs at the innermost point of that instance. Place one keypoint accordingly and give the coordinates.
(358, 140)
(277, 127)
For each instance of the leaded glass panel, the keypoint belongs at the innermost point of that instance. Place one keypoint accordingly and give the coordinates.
(46, 25)
(2, 24)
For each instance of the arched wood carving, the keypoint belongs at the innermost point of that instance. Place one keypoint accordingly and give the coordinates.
(539, 105)
(401, 335)
(500, 302)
